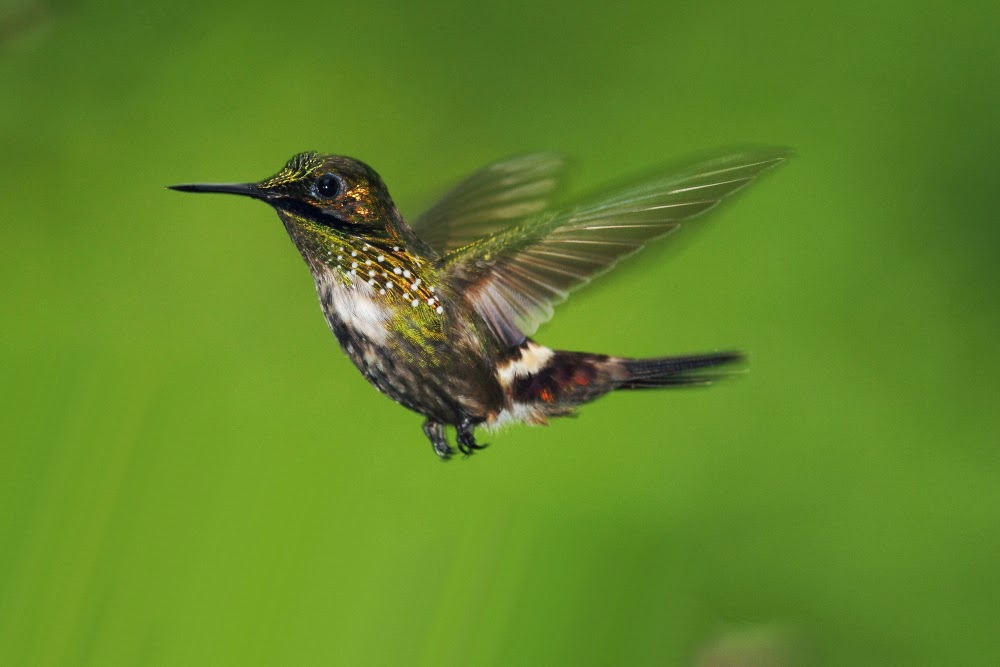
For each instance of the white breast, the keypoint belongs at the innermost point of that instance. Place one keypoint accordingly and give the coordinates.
(357, 306)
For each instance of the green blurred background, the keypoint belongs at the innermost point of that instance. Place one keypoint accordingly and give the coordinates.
(191, 473)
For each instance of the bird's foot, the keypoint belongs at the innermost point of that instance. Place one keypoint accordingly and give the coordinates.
(466, 440)
(439, 441)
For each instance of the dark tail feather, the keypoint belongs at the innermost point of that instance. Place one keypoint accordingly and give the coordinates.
(676, 371)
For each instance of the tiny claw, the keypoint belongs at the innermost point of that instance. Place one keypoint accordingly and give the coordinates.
(436, 434)
(467, 441)
(444, 453)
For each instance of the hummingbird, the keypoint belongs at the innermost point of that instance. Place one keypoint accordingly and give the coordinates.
(438, 314)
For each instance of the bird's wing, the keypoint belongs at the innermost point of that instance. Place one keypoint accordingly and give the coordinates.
(492, 198)
(515, 276)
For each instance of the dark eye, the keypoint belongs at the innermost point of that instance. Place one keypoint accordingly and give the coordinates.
(328, 186)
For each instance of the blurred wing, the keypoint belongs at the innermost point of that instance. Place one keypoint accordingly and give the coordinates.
(515, 276)
(489, 200)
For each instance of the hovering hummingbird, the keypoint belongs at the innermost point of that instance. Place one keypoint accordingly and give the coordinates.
(437, 314)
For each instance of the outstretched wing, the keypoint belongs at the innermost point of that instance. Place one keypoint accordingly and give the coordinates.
(515, 276)
(489, 200)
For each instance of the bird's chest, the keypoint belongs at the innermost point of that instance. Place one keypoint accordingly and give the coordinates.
(353, 312)
(373, 334)
(408, 353)
(365, 329)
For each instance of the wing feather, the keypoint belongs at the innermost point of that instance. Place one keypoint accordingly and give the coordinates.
(515, 276)
(494, 197)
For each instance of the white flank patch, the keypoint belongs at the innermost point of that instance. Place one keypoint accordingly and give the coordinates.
(518, 413)
(357, 307)
(533, 358)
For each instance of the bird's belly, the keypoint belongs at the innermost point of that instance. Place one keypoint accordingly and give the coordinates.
(448, 392)
(442, 380)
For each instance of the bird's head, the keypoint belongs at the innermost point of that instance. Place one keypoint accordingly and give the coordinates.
(325, 201)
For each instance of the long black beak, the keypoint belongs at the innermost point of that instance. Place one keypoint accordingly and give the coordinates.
(245, 189)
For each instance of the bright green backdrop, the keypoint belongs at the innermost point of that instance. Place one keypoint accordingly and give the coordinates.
(191, 473)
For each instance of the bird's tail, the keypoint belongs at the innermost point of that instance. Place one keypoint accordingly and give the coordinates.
(542, 383)
(682, 371)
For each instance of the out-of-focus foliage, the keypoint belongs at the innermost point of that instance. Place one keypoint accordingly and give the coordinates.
(191, 473)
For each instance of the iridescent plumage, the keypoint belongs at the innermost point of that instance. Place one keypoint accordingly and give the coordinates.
(437, 315)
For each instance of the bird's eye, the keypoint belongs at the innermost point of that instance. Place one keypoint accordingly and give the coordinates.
(328, 186)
